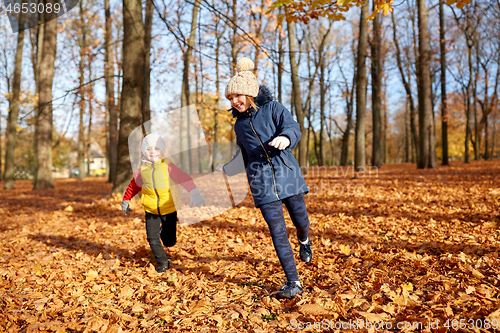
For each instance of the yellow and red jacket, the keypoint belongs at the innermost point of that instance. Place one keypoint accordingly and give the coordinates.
(158, 182)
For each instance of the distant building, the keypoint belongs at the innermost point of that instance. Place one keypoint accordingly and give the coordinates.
(96, 165)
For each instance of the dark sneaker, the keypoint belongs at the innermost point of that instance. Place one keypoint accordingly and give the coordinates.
(306, 253)
(163, 267)
(289, 290)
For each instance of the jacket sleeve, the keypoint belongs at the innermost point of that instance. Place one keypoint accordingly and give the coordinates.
(286, 125)
(180, 177)
(134, 187)
(238, 163)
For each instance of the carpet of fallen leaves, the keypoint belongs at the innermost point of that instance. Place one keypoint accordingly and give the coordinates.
(398, 245)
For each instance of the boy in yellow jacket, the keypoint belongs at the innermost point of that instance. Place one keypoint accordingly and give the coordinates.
(153, 178)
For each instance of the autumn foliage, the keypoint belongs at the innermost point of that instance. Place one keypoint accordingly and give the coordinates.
(396, 244)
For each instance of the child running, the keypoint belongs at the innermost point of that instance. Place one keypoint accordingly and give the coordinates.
(153, 178)
(265, 133)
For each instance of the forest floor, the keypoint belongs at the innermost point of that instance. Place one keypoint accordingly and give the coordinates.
(408, 249)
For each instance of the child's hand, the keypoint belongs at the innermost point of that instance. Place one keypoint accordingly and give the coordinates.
(196, 198)
(125, 208)
(280, 142)
(220, 167)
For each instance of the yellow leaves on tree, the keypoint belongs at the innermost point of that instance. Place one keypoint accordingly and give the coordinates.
(459, 3)
(305, 10)
(381, 6)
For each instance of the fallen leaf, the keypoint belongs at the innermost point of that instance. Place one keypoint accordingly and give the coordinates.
(375, 317)
(91, 275)
(312, 309)
(345, 249)
(137, 308)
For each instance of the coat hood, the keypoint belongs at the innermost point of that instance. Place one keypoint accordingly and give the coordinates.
(264, 96)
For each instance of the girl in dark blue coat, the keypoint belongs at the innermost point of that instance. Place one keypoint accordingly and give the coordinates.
(265, 133)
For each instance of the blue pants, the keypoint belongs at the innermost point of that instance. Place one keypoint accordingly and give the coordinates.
(273, 214)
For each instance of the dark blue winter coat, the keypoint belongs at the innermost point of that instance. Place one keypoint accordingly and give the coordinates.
(273, 174)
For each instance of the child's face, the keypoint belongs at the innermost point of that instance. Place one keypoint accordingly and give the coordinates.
(153, 154)
(239, 102)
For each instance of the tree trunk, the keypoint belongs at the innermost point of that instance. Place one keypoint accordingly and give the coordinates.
(332, 146)
(81, 70)
(43, 114)
(131, 100)
(467, 123)
(322, 94)
(185, 137)
(468, 134)
(281, 53)
(297, 100)
(407, 86)
(37, 66)
(112, 142)
(218, 37)
(14, 110)
(494, 109)
(376, 69)
(344, 153)
(427, 145)
(477, 133)
(257, 34)
(493, 135)
(146, 86)
(407, 134)
(486, 109)
(320, 64)
(234, 56)
(188, 56)
(444, 108)
(217, 92)
(384, 135)
(486, 138)
(234, 39)
(89, 129)
(359, 140)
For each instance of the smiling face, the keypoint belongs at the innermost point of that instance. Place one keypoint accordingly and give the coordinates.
(153, 154)
(239, 102)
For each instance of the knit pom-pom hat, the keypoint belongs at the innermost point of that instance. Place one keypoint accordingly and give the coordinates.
(244, 82)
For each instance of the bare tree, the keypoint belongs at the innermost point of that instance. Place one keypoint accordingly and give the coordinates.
(426, 125)
(469, 28)
(188, 56)
(14, 104)
(444, 108)
(82, 43)
(361, 84)
(321, 62)
(218, 38)
(43, 114)
(146, 86)
(406, 80)
(131, 100)
(112, 117)
(376, 70)
(297, 100)
(281, 53)
(348, 92)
